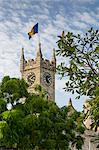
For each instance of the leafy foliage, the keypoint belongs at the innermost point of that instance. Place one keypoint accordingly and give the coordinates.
(2, 105)
(40, 91)
(12, 89)
(83, 66)
(94, 110)
(37, 123)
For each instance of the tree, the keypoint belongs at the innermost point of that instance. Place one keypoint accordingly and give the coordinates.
(12, 89)
(12, 130)
(82, 70)
(38, 124)
(40, 91)
(93, 111)
(3, 105)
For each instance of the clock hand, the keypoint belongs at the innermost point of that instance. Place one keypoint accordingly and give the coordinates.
(48, 79)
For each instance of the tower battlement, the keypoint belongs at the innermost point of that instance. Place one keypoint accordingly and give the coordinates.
(49, 64)
(29, 64)
(44, 62)
(32, 63)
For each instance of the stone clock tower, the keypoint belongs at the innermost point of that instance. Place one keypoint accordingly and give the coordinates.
(39, 71)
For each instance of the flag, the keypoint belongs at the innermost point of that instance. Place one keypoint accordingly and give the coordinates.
(33, 31)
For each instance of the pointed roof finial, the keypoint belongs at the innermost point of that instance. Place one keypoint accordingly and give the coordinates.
(70, 102)
(39, 53)
(22, 61)
(70, 107)
(53, 57)
(39, 46)
(22, 55)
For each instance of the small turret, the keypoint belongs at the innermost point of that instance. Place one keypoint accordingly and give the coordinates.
(70, 103)
(71, 109)
(54, 57)
(39, 52)
(22, 61)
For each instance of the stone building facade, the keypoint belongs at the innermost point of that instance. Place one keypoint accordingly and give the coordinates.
(91, 138)
(39, 72)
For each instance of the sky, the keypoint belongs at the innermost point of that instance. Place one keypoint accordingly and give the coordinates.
(17, 17)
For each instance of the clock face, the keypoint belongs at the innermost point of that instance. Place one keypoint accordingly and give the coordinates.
(31, 78)
(47, 78)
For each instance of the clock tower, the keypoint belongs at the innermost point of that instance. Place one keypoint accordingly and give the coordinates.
(39, 71)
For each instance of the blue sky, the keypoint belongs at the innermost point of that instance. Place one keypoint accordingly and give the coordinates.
(17, 18)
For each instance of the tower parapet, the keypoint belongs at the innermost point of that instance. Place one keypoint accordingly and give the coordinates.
(48, 64)
(31, 63)
(45, 63)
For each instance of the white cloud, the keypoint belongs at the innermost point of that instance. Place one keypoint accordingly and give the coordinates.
(83, 1)
(80, 24)
(87, 18)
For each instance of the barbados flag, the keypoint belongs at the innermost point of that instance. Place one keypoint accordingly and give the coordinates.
(33, 31)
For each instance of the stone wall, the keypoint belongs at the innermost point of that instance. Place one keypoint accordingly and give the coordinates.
(89, 144)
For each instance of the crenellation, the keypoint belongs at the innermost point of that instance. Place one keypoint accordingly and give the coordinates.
(48, 64)
(30, 64)
(44, 62)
